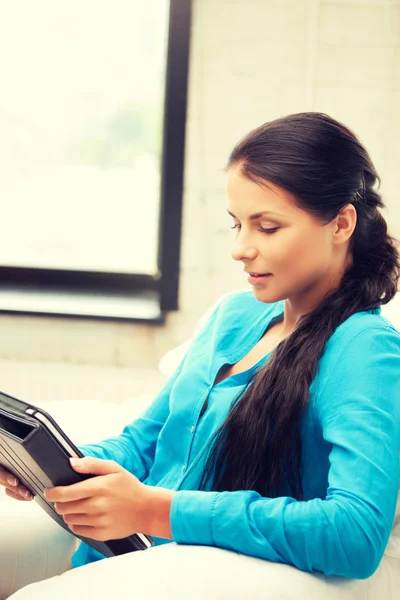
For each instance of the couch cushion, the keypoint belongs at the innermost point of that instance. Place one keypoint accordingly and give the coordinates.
(87, 421)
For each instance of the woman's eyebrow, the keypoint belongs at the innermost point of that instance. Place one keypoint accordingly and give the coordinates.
(260, 214)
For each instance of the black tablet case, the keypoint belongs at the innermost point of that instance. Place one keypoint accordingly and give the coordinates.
(30, 451)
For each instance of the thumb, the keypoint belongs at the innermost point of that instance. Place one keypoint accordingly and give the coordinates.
(95, 466)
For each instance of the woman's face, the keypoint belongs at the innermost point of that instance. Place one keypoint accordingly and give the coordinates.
(294, 247)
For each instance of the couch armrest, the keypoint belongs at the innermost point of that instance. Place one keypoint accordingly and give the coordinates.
(33, 547)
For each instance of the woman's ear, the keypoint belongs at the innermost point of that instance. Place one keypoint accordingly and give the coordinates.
(345, 224)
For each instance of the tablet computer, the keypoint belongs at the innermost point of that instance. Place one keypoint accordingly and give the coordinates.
(37, 451)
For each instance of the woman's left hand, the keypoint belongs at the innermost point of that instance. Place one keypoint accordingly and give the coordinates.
(113, 505)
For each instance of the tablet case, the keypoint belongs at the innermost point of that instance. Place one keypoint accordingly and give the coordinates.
(38, 455)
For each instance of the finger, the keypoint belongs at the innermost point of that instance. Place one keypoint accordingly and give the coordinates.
(95, 466)
(84, 520)
(70, 493)
(77, 507)
(7, 478)
(17, 496)
(9, 481)
(20, 491)
(87, 488)
(93, 533)
(77, 491)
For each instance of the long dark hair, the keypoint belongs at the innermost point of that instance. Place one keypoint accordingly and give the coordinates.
(325, 167)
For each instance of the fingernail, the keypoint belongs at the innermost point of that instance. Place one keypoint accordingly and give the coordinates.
(12, 480)
(76, 462)
(25, 493)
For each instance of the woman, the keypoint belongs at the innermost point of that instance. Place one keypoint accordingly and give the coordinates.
(278, 435)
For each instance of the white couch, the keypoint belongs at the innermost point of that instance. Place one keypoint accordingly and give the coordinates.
(34, 548)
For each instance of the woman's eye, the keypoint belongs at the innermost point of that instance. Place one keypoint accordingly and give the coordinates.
(266, 230)
(262, 229)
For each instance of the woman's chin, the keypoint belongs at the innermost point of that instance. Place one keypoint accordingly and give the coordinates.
(264, 295)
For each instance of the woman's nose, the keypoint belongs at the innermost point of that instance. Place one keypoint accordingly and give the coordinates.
(242, 250)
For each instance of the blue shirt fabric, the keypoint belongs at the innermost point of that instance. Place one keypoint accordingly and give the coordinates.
(350, 446)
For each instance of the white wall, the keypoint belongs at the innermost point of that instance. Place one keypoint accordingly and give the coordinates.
(251, 61)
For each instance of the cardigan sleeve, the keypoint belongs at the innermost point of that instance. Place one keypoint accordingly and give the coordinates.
(345, 533)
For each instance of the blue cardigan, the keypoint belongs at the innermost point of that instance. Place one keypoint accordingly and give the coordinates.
(350, 442)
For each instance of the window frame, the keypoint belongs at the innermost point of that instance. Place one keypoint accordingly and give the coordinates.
(165, 284)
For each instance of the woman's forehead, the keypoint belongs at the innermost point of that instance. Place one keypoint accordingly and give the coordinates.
(251, 197)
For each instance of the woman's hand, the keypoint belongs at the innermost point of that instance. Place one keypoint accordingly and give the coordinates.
(113, 505)
(13, 487)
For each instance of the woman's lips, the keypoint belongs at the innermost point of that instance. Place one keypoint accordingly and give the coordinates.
(258, 279)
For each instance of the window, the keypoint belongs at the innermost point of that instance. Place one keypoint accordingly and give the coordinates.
(92, 117)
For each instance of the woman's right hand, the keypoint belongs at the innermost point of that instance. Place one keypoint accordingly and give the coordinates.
(13, 487)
